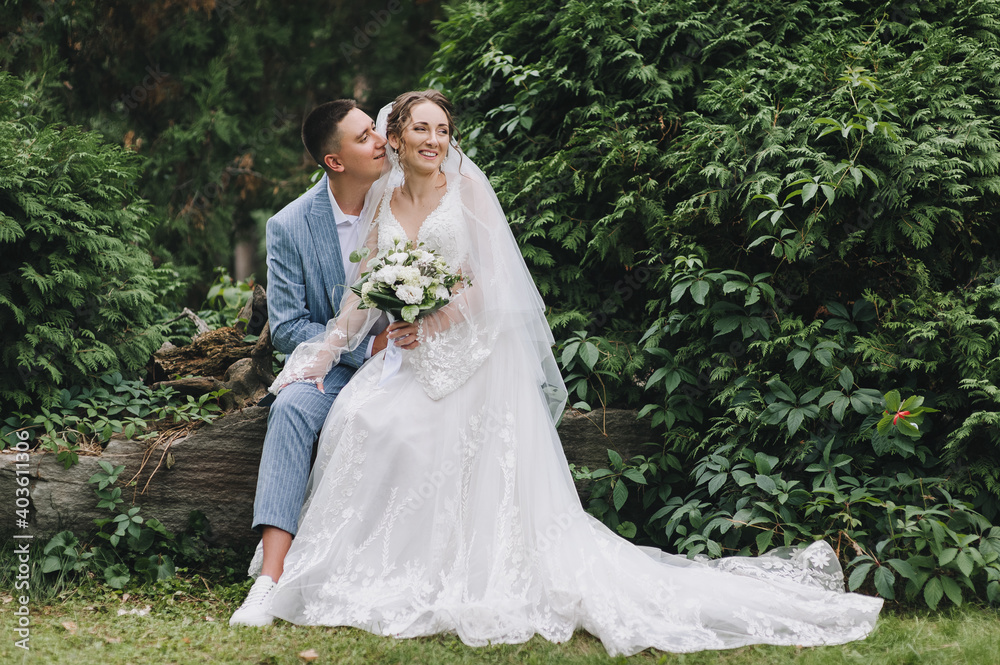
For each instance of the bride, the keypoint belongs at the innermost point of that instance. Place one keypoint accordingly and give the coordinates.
(440, 499)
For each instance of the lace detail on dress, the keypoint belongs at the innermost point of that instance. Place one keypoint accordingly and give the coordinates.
(445, 360)
(813, 566)
(441, 231)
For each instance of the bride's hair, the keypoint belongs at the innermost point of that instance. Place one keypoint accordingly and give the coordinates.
(403, 105)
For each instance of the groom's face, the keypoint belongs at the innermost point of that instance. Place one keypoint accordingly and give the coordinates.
(362, 151)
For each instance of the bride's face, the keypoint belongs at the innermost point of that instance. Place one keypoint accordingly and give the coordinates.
(423, 144)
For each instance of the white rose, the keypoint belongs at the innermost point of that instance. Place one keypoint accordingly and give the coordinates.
(388, 274)
(411, 295)
(441, 292)
(397, 257)
(409, 275)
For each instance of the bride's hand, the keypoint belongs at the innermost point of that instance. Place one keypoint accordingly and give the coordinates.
(403, 334)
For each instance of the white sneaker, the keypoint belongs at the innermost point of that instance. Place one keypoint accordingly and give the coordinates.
(255, 610)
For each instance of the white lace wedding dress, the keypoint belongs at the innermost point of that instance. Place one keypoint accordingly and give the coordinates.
(441, 501)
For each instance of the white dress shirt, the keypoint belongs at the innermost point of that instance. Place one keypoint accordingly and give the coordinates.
(347, 232)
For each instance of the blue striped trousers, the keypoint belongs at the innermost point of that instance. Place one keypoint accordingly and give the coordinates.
(296, 416)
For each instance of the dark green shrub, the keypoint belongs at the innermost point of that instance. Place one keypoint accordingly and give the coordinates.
(75, 284)
(811, 189)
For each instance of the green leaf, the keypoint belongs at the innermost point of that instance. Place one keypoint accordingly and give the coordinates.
(765, 463)
(952, 590)
(716, 483)
(884, 582)
(892, 401)
(809, 191)
(903, 568)
(699, 290)
(619, 495)
(116, 576)
(858, 576)
(795, 418)
(627, 530)
(589, 354)
(840, 407)
(766, 483)
(677, 292)
(965, 563)
(635, 476)
(764, 541)
(409, 313)
(846, 378)
(781, 390)
(933, 592)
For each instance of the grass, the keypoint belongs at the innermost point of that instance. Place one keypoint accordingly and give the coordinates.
(187, 623)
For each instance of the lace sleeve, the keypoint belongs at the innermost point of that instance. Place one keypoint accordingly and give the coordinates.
(312, 360)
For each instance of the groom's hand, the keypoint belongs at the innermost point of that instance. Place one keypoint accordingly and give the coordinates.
(380, 342)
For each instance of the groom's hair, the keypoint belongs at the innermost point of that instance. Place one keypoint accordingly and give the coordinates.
(321, 129)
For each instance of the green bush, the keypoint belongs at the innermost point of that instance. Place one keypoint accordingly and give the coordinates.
(75, 287)
(765, 216)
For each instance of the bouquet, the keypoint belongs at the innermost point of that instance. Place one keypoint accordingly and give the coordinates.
(406, 281)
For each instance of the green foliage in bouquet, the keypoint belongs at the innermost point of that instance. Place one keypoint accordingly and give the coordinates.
(765, 218)
(75, 285)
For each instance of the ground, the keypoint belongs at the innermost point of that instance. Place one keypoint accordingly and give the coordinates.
(184, 620)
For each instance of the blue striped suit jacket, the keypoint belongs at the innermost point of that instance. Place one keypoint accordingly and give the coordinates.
(305, 271)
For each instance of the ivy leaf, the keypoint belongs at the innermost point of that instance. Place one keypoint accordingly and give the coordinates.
(627, 530)
(116, 576)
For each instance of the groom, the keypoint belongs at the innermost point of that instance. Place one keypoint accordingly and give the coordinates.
(308, 243)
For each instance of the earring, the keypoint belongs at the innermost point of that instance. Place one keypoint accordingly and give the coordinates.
(392, 156)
